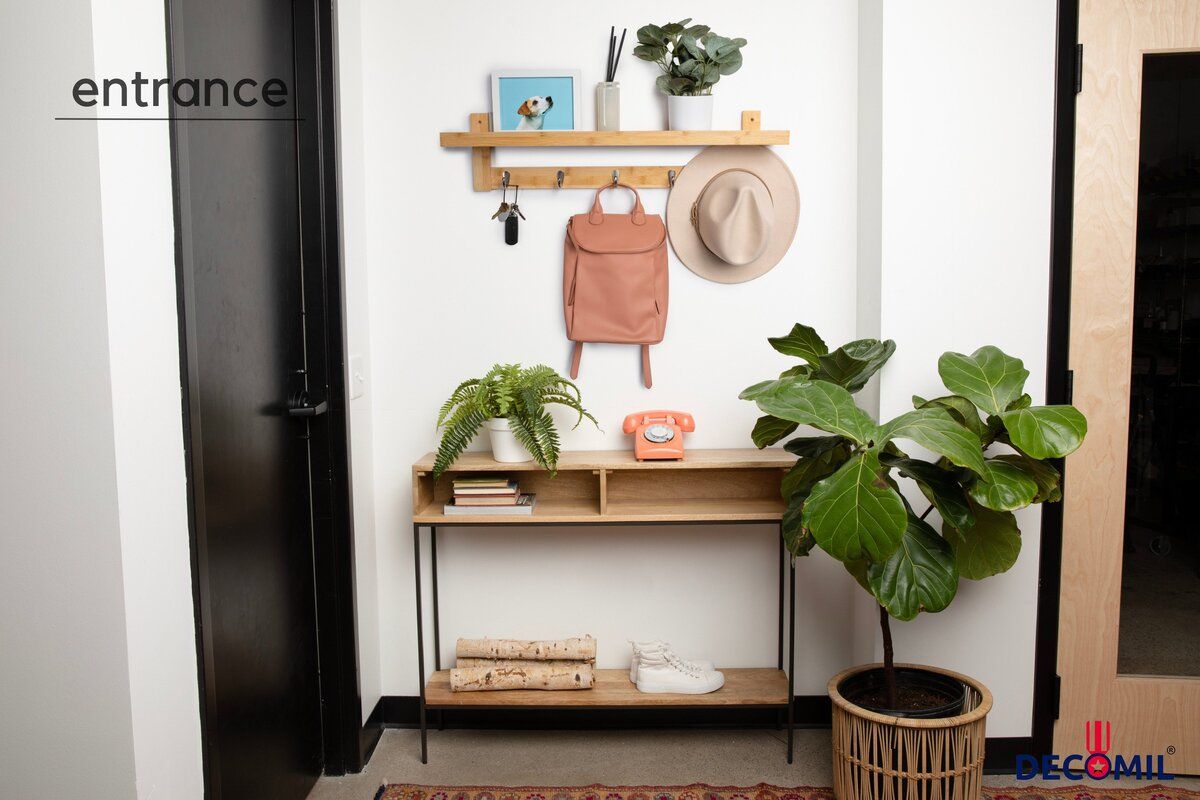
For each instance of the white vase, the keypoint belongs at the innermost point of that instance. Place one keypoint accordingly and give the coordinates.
(689, 113)
(505, 447)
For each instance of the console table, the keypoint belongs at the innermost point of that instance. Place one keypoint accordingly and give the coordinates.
(610, 487)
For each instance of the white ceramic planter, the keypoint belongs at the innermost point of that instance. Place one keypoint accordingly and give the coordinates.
(505, 447)
(690, 113)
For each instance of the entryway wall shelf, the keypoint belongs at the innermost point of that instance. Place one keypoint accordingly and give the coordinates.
(486, 177)
(611, 487)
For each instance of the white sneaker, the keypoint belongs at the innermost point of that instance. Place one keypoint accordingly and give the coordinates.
(662, 672)
(654, 646)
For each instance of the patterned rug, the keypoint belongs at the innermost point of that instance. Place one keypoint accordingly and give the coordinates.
(702, 791)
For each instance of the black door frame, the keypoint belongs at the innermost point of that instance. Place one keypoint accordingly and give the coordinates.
(344, 747)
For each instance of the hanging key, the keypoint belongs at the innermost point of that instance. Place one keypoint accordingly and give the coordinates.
(502, 212)
(510, 222)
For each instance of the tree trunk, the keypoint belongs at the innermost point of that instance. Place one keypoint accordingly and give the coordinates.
(464, 663)
(889, 668)
(578, 649)
(538, 676)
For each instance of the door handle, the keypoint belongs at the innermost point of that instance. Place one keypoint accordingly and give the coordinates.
(301, 405)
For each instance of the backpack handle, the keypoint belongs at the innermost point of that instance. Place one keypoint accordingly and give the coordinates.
(596, 216)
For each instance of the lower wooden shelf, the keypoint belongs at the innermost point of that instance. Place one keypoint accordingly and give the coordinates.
(743, 687)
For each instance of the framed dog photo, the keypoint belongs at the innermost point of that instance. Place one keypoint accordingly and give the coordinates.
(535, 100)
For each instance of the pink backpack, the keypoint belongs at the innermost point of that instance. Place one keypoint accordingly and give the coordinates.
(615, 279)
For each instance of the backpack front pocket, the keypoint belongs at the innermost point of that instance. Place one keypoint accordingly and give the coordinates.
(614, 298)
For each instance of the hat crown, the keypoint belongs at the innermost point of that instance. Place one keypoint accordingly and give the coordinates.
(734, 216)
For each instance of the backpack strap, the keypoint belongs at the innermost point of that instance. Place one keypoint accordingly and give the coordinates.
(638, 216)
(646, 379)
(576, 355)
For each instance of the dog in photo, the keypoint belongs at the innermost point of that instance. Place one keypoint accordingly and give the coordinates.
(533, 111)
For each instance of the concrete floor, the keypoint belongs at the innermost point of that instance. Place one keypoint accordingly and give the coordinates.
(578, 758)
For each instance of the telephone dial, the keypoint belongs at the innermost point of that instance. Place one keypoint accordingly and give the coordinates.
(658, 434)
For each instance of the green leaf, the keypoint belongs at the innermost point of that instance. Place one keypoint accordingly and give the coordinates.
(1003, 486)
(714, 43)
(936, 430)
(855, 513)
(663, 82)
(989, 377)
(920, 576)
(1046, 477)
(752, 392)
(989, 547)
(673, 28)
(812, 446)
(650, 52)
(817, 403)
(768, 430)
(689, 45)
(962, 409)
(858, 570)
(939, 487)
(801, 372)
(1045, 431)
(730, 62)
(1024, 401)
(853, 364)
(801, 342)
(651, 34)
(806, 472)
(696, 30)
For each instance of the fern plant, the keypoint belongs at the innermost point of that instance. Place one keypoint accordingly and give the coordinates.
(518, 394)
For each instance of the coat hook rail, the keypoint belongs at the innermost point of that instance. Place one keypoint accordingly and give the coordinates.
(483, 142)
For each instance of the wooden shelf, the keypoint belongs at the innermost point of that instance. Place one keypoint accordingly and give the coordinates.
(606, 486)
(743, 687)
(611, 138)
(486, 177)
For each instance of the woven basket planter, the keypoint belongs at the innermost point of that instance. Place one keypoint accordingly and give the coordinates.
(880, 757)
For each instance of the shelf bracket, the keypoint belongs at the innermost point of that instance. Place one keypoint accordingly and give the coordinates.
(486, 177)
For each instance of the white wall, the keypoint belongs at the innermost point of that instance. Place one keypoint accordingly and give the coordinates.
(439, 272)
(968, 115)
(139, 255)
(64, 673)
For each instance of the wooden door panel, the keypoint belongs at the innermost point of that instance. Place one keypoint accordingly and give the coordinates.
(1149, 714)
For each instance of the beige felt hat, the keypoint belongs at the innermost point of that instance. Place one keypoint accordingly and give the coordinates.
(732, 213)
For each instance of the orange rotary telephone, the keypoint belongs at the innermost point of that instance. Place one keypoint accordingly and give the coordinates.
(657, 434)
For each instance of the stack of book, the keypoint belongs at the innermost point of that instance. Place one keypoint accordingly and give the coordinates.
(489, 495)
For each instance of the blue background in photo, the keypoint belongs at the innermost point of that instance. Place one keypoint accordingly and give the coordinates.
(514, 91)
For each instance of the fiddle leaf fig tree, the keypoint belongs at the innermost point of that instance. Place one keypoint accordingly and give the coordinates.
(992, 452)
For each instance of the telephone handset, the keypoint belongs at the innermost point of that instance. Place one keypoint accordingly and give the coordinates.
(657, 434)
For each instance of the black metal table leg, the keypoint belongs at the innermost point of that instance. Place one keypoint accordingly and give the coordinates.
(782, 552)
(420, 640)
(437, 631)
(791, 709)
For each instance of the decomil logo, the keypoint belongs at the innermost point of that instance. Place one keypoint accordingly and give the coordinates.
(1097, 763)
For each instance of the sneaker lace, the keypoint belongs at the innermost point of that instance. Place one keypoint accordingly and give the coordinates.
(685, 667)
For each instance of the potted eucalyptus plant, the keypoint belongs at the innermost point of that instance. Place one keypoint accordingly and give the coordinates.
(993, 453)
(692, 59)
(510, 400)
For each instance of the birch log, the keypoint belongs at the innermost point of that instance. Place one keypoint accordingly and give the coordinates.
(464, 663)
(576, 649)
(538, 676)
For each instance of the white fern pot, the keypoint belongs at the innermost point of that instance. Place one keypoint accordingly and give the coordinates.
(690, 113)
(505, 447)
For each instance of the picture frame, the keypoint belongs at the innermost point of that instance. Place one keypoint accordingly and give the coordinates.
(536, 100)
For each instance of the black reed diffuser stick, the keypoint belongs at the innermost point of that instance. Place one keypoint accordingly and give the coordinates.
(612, 42)
(617, 61)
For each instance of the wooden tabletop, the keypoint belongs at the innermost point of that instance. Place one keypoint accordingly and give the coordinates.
(737, 458)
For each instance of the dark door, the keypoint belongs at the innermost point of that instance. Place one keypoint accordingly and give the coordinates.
(249, 346)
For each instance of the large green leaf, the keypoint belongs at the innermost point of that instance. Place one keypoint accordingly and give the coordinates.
(1003, 486)
(858, 570)
(989, 547)
(817, 403)
(962, 409)
(938, 486)
(1047, 478)
(853, 364)
(796, 539)
(989, 377)
(854, 512)
(810, 446)
(806, 472)
(801, 342)
(752, 392)
(1045, 431)
(768, 430)
(933, 428)
(920, 576)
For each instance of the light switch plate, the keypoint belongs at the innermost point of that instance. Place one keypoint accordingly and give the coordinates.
(358, 377)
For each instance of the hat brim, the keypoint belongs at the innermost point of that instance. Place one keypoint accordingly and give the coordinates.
(785, 200)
